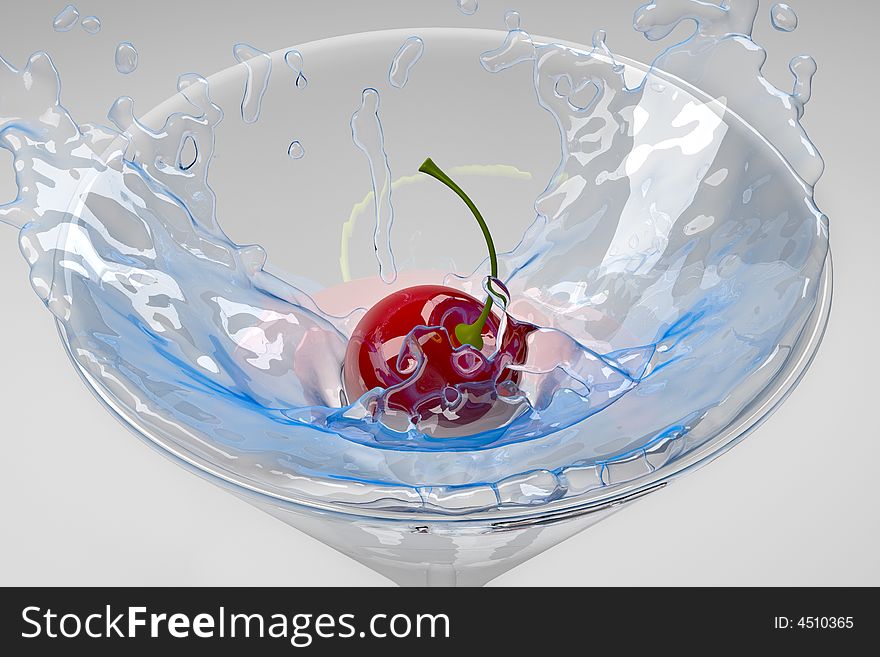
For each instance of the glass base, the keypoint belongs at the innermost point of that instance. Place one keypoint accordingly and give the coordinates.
(451, 553)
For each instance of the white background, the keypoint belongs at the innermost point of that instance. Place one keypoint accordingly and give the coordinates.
(84, 502)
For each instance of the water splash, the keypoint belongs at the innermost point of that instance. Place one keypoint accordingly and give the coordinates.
(512, 20)
(259, 68)
(66, 19)
(368, 135)
(467, 7)
(126, 58)
(409, 53)
(611, 208)
(511, 383)
(294, 59)
(296, 150)
(723, 44)
(783, 17)
(91, 24)
(671, 265)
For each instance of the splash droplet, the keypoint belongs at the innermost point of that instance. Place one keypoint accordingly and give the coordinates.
(803, 68)
(410, 52)
(91, 24)
(468, 7)
(599, 44)
(294, 60)
(259, 67)
(126, 58)
(368, 135)
(512, 20)
(517, 48)
(66, 19)
(296, 150)
(783, 18)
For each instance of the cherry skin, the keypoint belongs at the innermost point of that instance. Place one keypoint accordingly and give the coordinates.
(406, 345)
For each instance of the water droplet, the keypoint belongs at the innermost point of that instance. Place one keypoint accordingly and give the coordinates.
(91, 24)
(66, 19)
(599, 37)
(294, 60)
(512, 20)
(803, 68)
(783, 18)
(188, 153)
(126, 58)
(410, 52)
(259, 67)
(468, 7)
(296, 150)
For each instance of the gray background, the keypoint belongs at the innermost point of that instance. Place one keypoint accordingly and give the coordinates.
(83, 502)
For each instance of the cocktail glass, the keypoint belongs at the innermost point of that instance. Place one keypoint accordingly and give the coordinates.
(505, 148)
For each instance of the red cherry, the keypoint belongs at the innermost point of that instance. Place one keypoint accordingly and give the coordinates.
(406, 344)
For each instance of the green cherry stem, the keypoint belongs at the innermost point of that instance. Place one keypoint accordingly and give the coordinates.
(471, 334)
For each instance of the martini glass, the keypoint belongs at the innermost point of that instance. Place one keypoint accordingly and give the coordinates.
(504, 148)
